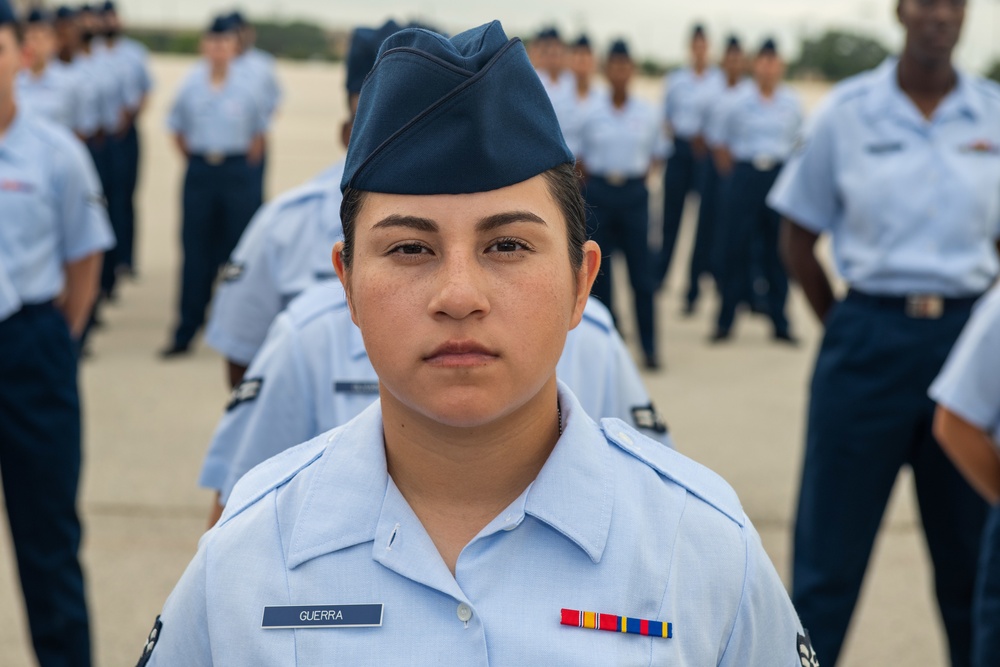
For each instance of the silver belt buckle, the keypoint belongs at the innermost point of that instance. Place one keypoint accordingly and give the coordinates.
(764, 163)
(617, 180)
(215, 159)
(924, 306)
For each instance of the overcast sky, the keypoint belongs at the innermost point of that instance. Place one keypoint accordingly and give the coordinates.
(657, 28)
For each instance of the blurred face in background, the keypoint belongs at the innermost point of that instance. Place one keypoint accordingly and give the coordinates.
(699, 51)
(933, 28)
(112, 25)
(734, 64)
(768, 70)
(619, 70)
(90, 25)
(582, 63)
(219, 48)
(551, 56)
(39, 44)
(67, 36)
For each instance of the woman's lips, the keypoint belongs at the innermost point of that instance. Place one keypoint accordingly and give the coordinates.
(461, 354)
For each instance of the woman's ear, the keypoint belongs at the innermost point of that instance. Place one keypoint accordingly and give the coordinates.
(344, 274)
(585, 277)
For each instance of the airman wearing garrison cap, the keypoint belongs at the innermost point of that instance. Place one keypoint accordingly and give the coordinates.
(475, 495)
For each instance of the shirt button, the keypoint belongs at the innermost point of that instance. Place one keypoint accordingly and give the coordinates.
(511, 523)
(464, 612)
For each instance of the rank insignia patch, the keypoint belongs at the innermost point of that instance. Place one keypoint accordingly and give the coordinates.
(154, 636)
(246, 391)
(647, 417)
(232, 271)
(807, 656)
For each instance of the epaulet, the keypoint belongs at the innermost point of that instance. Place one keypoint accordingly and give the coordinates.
(988, 87)
(316, 301)
(696, 478)
(273, 473)
(598, 315)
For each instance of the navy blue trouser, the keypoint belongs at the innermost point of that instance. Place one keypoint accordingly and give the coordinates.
(117, 192)
(748, 220)
(219, 201)
(40, 466)
(869, 415)
(618, 218)
(703, 252)
(682, 176)
(128, 175)
(986, 604)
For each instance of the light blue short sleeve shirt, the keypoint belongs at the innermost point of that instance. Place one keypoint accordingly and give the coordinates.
(912, 205)
(286, 248)
(217, 120)
(614, 523)
(620, 142)
(313, 374)
(753, 127)
(52, 210)
(50, 94)
(969, 383)
(688, 98)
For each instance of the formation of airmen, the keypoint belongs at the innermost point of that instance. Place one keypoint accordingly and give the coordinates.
(445, 235)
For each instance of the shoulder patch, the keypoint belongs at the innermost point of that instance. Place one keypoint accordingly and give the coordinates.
(232, 271)
(154, 636)
(648, 417)
(274, 472)
(245, 391)
(696, 478)
(807, 656)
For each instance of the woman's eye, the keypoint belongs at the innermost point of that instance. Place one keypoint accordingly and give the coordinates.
(508, 246)
(409, 249)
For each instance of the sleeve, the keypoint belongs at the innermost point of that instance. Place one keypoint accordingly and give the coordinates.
(715, 125)
(626, 395)
(806, 191)
(248, 298)
(176, 120)
(83, 219)
(180, 633)
(969, 384)
(274, 91)
(85, 116)
(669, 84)
(766, 631)
(281, 415)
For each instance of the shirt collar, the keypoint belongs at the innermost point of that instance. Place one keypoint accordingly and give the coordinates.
(351, 500)
(887, 98)
(13, 141)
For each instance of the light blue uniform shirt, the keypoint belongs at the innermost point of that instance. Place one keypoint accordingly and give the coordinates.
(969, 383)
(127, 59)
(108, 74)
(259, 68)
(688, 98)
(572, 112)
(912, 205)
(621, 142)
(614, 523)
(755, 128)
(87, 104)
(286, 248)
(50, 95)
(217, 120)
(313, 374)
(717, 113)
(51, 211)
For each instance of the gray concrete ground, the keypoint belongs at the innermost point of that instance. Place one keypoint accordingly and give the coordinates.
(738, 409)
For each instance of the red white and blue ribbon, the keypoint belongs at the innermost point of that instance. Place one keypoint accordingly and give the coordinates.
(593, 620)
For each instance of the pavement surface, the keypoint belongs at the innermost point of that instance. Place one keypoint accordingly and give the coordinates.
(738, 409)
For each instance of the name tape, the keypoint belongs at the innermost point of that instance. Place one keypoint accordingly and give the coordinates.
(323, 616)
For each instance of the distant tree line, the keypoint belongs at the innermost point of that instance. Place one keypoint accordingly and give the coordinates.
(832, 56)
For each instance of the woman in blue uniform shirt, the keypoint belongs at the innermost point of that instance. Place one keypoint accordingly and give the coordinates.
(470, 511)
(53, 230)
(901, 168)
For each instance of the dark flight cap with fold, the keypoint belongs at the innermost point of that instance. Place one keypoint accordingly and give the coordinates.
(768, 48)
(108, 8)
(64, 13)
(221, 25)
(363, 52)
(618, 48)
(36, 16)
(582, 42)
(440, 116)
(733, 43)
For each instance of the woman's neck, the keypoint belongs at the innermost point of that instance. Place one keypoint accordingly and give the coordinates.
(8, 111)
(926, 83)
(457, 480)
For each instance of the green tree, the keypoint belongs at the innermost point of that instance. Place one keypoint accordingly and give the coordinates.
(837, 55)
(994, 71)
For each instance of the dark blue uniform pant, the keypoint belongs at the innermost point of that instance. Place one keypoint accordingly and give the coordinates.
(749, 219)
(40, 467)
(869, 415)
(219, 201)
(128, 176)
(119, 197)
(986, 607)
(619, 220)
(703, 253)
(682, 176)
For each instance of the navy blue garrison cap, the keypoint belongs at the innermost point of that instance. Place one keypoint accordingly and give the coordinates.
(6, 13)
(84, 9)
(768, 48)
(440, 116)
(237, 19)
(582, 42)
(618, 48)
(733, 43)
(698, 31)
(221, 25)
(548, 33)
(108, 8)
(36, 16)
(64, 13)
(363, 52)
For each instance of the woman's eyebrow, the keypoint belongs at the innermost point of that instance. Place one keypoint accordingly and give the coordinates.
(410, 221)
(492, 222)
